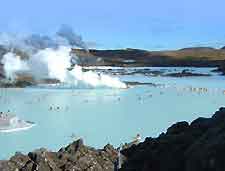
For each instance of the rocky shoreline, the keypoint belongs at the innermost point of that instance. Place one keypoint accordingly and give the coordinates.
(24, 82)
(198, 146)
(221, 68)
(74, 157)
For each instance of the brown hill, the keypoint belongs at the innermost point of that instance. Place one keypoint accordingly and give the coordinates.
(198, 56)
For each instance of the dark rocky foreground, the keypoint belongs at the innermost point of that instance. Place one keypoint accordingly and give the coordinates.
(198, 146)
(74, 157)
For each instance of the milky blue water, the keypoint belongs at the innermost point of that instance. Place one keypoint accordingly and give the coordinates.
(104, 115)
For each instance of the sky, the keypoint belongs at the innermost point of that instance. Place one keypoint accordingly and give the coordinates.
(113, 24)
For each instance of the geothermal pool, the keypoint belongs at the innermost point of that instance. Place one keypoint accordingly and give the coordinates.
(106, 115)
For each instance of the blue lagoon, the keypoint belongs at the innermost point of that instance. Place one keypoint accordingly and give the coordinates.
(107, 115)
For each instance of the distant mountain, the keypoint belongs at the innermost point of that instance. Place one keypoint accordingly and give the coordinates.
(194, 56)
(198, 49)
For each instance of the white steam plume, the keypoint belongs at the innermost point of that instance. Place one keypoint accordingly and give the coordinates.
(57, 62)
(54, 63)
(51, 63)
(12, 65)
(73, 39)
(65, 36)
(95, 79)
(49, 57)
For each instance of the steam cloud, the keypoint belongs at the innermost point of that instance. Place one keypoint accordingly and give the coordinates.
(65, 36)
(50, 58)
(12, 64)
(72, 38)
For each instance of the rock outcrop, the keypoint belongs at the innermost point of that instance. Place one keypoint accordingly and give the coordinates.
(221, 68)
(198, 146)
(186, 73)
(74, 157)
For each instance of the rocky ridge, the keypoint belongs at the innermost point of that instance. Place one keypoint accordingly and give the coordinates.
(198, 146)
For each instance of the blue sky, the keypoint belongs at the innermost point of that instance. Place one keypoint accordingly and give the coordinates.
(147, 24)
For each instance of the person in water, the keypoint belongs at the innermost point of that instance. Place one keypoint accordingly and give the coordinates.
(137, 139)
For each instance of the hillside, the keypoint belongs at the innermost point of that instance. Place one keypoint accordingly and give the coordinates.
(198, 56)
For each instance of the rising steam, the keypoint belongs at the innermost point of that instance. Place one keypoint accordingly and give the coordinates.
(51, 58)
(65, 36)
(12, 65)
(73, 39)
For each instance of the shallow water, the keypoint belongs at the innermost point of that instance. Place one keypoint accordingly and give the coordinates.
(106, 115)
